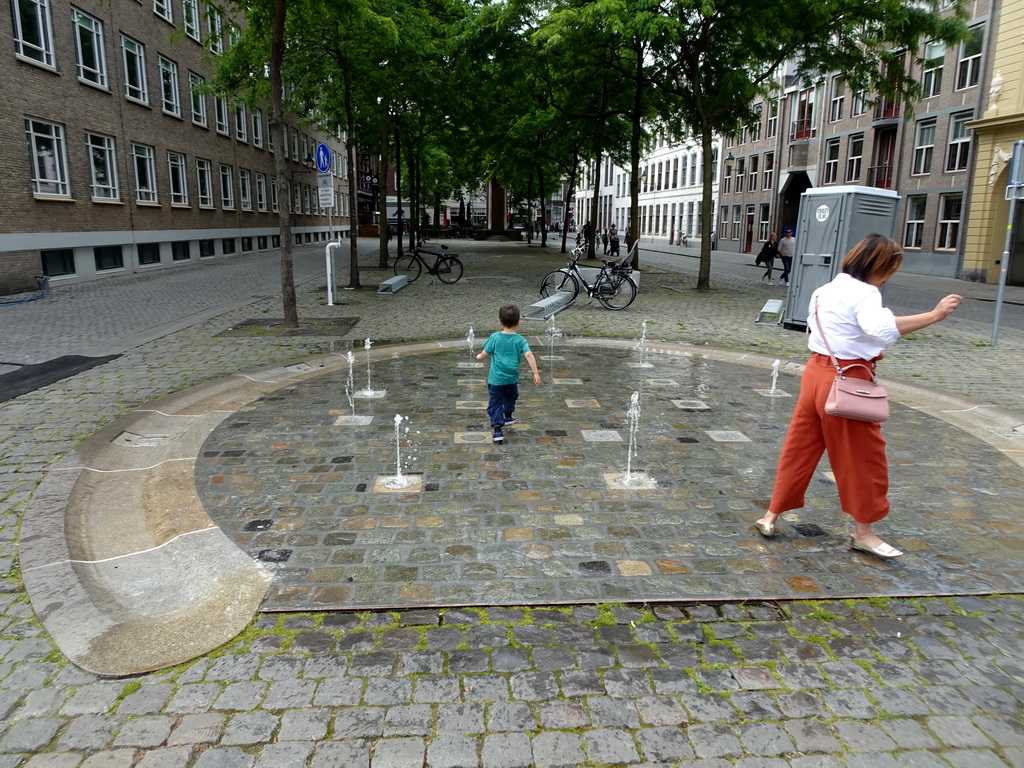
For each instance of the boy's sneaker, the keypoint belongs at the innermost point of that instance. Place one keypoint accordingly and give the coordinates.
(510, 421)
(498, 437)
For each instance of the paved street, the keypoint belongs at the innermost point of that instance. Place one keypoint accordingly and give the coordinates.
(902, 679)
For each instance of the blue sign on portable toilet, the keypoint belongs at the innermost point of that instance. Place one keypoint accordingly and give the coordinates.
(323, 157)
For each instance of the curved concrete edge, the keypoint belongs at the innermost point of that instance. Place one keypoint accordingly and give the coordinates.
(129, 574)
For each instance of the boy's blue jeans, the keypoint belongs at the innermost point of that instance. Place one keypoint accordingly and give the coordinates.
(502, 402)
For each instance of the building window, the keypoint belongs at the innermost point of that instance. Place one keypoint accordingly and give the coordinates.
(949, 222)
(931, 75)
(149, 253)
(162, 8)
(206, 249)
(755, 129)
(144, 160)
(913, 231)
(204, 183)
(220, 114)
(803, 125)
(858, 104)
(741, 169)
(103, 166)
(968, 67)
(771, 128)
(306, 207)
(295, 145)
(49, 160)
(854, 156)
(190, 13)
(227, 245)
(227, 186)
(765, 222)
(835, 107)
(92, 61)
(753, 171)
(737, 214)
(261, 191)
(169, 92)
(769, 170)
(241, 123)
(274, 204)
(693, 169)
(246, 244)
(33, 33)
(216, 29)
(959, 142)
(723, 227)
(181, 250)
(108, 257)
(198, 98)
(296, 197)
(257, 127)
(134, 55)
(58, 262)
(924, 146)
(831, 161)
(178, 178)
(245, 188)
(675, 171)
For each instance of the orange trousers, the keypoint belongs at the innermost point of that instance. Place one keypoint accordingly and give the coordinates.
(856, 449)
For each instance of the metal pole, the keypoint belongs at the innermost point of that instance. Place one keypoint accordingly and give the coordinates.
(330, 274)
(1003, 266)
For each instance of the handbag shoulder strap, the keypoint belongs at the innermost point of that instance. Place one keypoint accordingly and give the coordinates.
(835, 363)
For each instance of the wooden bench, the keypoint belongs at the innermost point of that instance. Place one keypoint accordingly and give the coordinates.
(548, 307)
(392, 285)
(771, 313)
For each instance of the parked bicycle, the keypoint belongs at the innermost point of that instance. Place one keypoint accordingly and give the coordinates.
(613, 285)
(446, 267)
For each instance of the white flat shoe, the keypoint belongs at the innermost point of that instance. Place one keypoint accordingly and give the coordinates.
(882, 550)
(766, 529)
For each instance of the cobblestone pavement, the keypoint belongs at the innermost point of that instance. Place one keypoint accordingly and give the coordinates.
(882, 682)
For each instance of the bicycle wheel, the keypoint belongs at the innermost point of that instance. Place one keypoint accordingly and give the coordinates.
(449, 269)
(616, 291)
(559, 280)
(409, 266)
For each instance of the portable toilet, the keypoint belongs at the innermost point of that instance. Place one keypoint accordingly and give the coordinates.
(830, 221)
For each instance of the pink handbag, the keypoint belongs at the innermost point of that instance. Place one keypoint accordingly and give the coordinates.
(857, 399)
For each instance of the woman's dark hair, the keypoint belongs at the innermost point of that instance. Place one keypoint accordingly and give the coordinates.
(508, 316)
(873, 258)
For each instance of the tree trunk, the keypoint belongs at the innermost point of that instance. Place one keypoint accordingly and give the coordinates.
(384, 231)
(707, 213)
(543, 208)
(636, 133)
(277, 46)
(529, 207)
(398, 183)
(353, 265)
(570, 192)
(592, 234)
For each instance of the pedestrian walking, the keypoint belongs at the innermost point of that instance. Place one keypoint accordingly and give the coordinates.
(787, 250)
(505, 347)
(767, 255)
(847, 316)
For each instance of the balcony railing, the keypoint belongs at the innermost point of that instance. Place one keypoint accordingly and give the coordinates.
(880, 176)
(801, 129)
(887, 110)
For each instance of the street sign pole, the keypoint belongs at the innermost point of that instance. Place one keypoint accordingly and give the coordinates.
(1014, 192)
(325, 191)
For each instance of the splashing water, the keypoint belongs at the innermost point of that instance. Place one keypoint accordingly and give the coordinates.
(633, 412)
(469, 341)
(553, 332)
(398, 481)
(350, 385)
(775, 376)
(642, 346)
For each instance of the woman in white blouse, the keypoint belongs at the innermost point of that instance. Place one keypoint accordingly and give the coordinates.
(858, 328)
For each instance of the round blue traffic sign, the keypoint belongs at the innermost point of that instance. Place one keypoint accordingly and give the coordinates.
(323, 158)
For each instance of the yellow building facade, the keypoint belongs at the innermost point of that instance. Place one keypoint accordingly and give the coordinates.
(999, 127)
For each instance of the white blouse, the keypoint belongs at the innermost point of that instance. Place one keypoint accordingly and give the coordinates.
(852, 318)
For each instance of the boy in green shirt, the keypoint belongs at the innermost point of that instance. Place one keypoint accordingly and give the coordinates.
(504, 347)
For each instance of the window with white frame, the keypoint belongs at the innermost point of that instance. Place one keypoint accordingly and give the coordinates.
(227, 186)
(89, 50)
(270, 136)
(241, 123)
(197, 97)
(835, 107)
(769, 171)
(950, 209)
(831, 161)
(913, 229)
(144, 162)
(959, 142)
(220, 114)
(726, 180)
(723, 227)
(968, 66)
(204, 183)
(215, 26)
(675, 171)
(741, 170)
(693, 168)
(858, 103)
(755, 129)
(737, 215)
(163, 9)
(102, 166)
(274, 204)
(854, 156)
(924, 146)
(296, 197)
(753, 171)
(765, 222)
(261, 191)
(931, 74)
(295, 145)
(245, 189)
(306, 206)
(134, 57)
(771, 127)
(803, 125)
(170, 94)
(177, 178)
(257, 127)
(33, 31)
(49, 158)
(190, 15)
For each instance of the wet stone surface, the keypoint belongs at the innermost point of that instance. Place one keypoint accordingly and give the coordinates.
(534, 521)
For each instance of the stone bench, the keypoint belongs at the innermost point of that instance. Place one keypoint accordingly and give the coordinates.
(771, 313)
(393, 285)
(547, 307)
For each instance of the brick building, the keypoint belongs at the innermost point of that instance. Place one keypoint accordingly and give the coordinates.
(118, 158)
